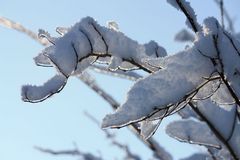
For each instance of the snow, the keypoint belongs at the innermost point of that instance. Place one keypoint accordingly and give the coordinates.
(39, 93)
(115, 43)
(184, 36)
(189, 11)
(115, 63)
(222, 96)
(230, 59)
(192, 132)
(198, 156)
(42, 60)
(83, 65)
(63, 54)
(62, 30)
(44, 34)
(192, 14)
(152, 49)
(209, 89)
(235, 139)
(148, 128)
(162, 88)
(227, 50)
(221, 118)
(78, 47)
(113, 25)
(188, 112)
(153, 97)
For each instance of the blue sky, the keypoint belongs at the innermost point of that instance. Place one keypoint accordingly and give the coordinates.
(59, 121)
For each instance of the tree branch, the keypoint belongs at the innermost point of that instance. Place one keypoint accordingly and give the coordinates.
(226, 14)
(214, 130)
(151, 143)
(158, 151)
(188, 16)
(18, 27)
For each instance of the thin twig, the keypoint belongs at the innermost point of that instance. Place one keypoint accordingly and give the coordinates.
(188, 16)
(227, 16)
(151, 142)
(16, 26)
(222, 13)
(112, 137)
(73, 152)
(214, 130)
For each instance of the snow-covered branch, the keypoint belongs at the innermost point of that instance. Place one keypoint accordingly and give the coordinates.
(185, 7)
(41, 60)
(158, 151)
(205, 76)
(86, 42)
(213, 49)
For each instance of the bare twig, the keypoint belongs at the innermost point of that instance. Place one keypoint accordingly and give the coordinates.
(73, 152)
(222, 13)
(110, 136)
(214, 130)
(151, 143)
(226, 15)
(16, 26)
(158, 151)
(233, 94)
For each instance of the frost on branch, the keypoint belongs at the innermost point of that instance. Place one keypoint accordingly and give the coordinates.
(161, 90)
(223, 122)
(81, 45)
(185, 7)
(182, 78)
(192, 132)
(39, 93)
(212, 112)
(148, 128)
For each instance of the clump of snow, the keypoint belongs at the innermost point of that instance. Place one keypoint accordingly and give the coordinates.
(184, 36)
(235, 139)
(191, 67)
(82, 44)
(222, 119)
(152, 49)
(42, 60)
(192, 132)
(222, 96)
(188, 112)
(113, 25)
(162, 88)
(39, 93)
(198, 156)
